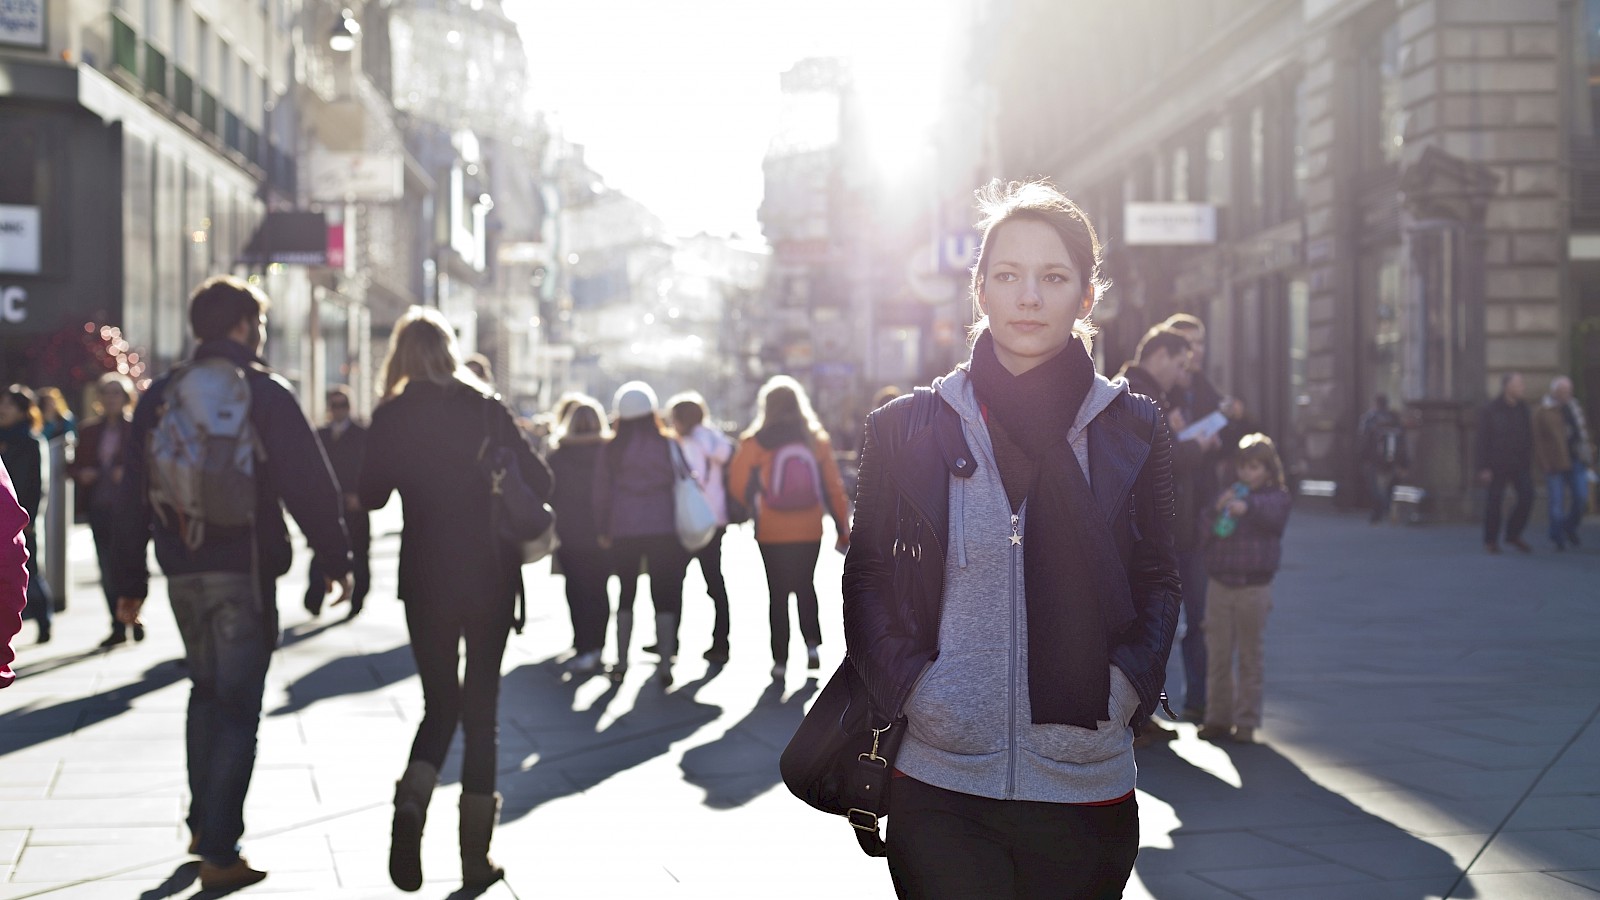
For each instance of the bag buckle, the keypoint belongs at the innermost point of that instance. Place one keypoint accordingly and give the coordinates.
(861, 820)
(871, 756)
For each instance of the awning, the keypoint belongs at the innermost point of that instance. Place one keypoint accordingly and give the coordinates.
(290, 238)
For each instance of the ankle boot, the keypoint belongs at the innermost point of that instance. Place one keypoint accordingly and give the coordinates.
(411, 795)
(479, 813)
(667, 638)
(624, 640)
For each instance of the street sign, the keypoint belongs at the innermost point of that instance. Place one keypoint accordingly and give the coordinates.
(352, 177)
(1171, 224)
(19, 238)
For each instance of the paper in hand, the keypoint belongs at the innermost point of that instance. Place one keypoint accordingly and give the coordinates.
(1204, 428)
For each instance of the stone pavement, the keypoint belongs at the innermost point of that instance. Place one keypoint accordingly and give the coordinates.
(1430, 732)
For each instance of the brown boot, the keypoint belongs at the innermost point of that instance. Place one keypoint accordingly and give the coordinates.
(227, 878)
(411, 795)
(479, 812)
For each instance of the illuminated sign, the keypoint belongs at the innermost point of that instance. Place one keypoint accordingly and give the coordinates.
(19, 238)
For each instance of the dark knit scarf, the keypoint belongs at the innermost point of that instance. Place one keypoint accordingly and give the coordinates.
(1068, 584)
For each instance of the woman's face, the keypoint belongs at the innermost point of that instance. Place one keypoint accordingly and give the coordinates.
(112, 399)
(1032, 293)
(9, 413)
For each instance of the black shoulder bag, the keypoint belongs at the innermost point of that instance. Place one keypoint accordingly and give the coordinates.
(523, 524)
(841, 758)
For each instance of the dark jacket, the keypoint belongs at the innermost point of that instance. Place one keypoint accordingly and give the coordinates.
(572, 464)
(295, 475)
(345, 454)
(1191, 466)
(430, 436)
(23, 453)
(633, 485)
(1252, 553)
(1374, 433)
(13, 572)
(894, 572)
(1505, 437)
(87, 458)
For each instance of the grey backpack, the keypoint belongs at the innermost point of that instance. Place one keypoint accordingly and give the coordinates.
(204, 451)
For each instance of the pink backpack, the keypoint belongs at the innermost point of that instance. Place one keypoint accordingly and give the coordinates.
(796, 480)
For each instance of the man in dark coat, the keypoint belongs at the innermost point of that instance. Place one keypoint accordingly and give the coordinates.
(1159, 370)
(345, 442)
(1505, 459)
(223, 591)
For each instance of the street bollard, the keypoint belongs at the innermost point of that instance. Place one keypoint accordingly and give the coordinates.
(57, 519)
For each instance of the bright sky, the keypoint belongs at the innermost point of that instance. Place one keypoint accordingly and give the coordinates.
(675, 100)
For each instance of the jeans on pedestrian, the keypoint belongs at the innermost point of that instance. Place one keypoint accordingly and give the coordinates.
(222, 619)
(1192, 570)
(101, 528)
(710, 559)
(791, 569)
(1522, 483)
(360, 528)
(953, 846)
(586, 571)
(437, 628)
(663, 558)
(1380, 490)
(1236, 626)
(1569, 494)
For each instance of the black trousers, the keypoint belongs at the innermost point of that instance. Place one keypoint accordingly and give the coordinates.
(953, 846)
(666, 561)
(586, 571)
(791, 569)
(437, 629)
(1494, 500)
(710, 559)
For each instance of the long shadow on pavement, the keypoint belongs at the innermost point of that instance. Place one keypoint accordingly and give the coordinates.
(357, 674)
(743, 764)
(573, 755)
(1278, 829)
(31, 725)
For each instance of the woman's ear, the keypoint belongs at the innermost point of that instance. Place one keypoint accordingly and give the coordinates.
(1087, 305)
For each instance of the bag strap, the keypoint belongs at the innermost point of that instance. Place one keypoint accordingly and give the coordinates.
(519, 618)
(873, 773)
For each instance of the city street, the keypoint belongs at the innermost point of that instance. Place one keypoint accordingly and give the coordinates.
(1431, 732)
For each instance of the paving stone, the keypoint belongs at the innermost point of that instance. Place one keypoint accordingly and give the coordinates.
(1525, 886)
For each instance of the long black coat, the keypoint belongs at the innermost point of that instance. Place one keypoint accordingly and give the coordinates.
(424, 444)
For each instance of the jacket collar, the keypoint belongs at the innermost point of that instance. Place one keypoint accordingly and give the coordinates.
(231, 350)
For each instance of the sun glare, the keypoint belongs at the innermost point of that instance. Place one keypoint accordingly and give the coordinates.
(677, 102)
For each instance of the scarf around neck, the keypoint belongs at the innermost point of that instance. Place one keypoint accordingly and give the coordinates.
(1071, 595)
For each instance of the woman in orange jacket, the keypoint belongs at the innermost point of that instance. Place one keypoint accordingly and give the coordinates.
(786, 464)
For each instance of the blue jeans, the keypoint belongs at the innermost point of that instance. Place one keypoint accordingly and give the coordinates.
(224, 624)
(1192, 570)
(1569, 493)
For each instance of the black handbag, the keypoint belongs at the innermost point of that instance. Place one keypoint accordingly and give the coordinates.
(520, 516)
(841, 758)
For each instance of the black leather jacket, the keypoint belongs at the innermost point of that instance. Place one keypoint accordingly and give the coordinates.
(894, 573)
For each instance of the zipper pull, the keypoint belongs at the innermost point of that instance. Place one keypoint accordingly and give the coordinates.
(1016, 532)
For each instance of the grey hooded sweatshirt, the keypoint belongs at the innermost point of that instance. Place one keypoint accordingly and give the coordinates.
(970, 722)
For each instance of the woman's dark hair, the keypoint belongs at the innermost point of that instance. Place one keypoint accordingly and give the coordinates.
(220, 303)
(1040, 201)
(1159, 338)
(22, 397)
(1259, 448)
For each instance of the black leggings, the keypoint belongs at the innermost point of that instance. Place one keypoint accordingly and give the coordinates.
(949, 845)
(586, 572)
(710, 558)
(791, 569)
(436, 631)
(666, 561)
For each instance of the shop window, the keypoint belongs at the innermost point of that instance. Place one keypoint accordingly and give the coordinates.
(1383, 116)
(1299, 349)
(1384, 323)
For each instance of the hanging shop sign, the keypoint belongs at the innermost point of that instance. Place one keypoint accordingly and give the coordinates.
(1169, 224)
(19, 238)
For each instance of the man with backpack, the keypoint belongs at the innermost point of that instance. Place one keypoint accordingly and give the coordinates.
(217, 448)
(1381, 446)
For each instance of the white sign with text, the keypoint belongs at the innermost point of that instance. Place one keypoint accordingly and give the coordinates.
(1158, 224)
(19, 238)
(22, 23)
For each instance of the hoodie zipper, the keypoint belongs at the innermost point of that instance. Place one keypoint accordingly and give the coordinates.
(1015, 551)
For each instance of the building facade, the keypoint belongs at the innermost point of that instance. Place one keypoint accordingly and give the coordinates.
(1398, 188)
